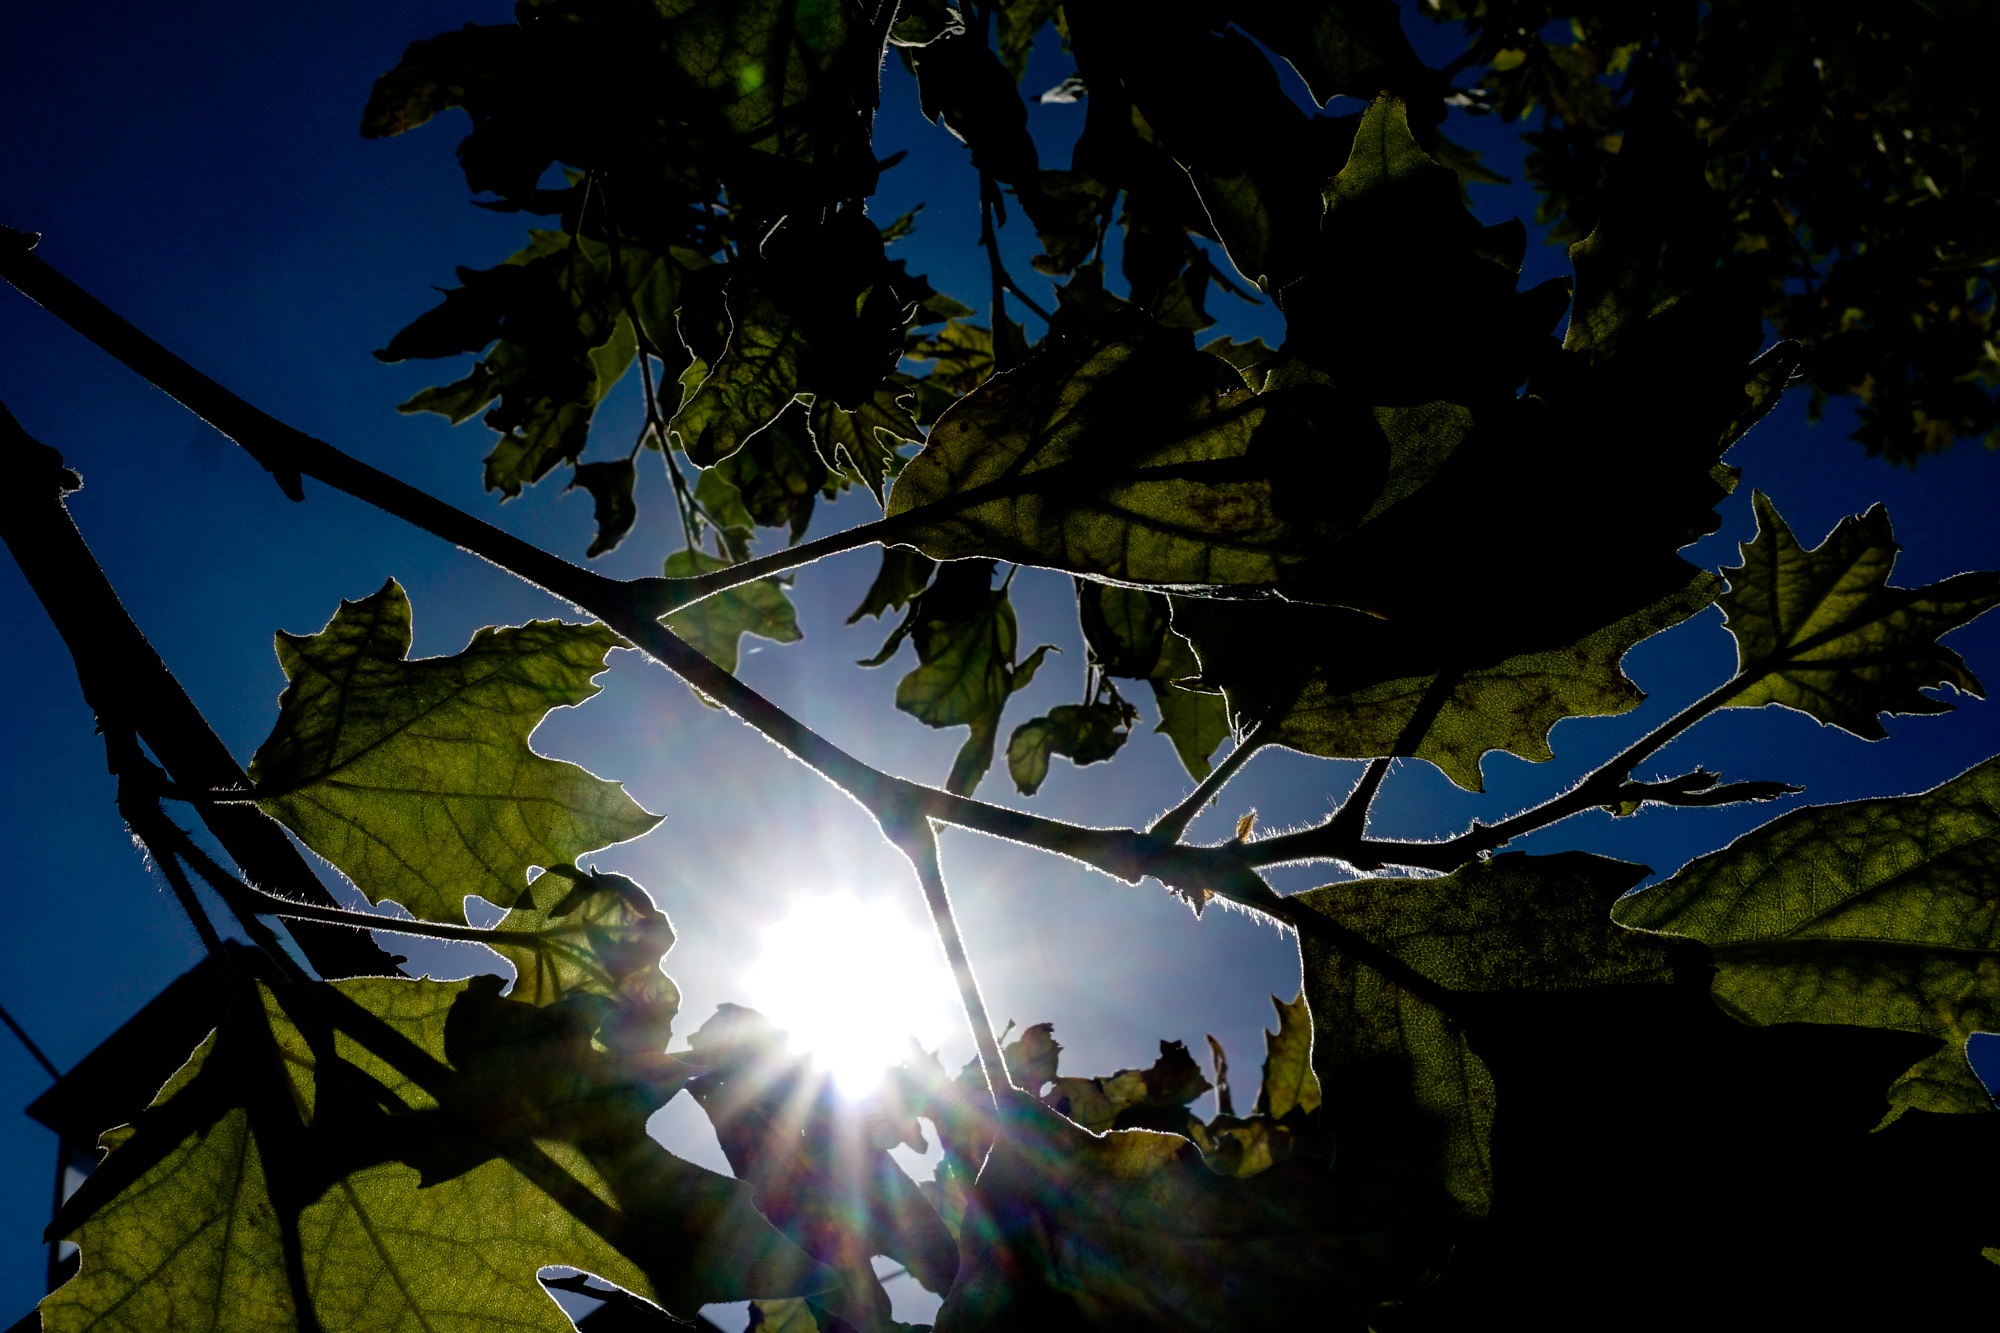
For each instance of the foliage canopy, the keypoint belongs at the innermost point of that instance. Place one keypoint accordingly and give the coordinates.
(1428, 525)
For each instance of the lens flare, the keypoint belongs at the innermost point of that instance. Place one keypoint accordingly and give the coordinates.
(852, 983)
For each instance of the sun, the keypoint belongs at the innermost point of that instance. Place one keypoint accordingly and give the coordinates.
(852, 983)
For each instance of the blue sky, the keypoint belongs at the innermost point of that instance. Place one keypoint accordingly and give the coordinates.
(199, 169)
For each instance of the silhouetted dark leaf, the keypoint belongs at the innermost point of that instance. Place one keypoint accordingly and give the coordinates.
(1407, 1100)
(1068, 1230)
(1126, 631)
(610, 486)
(1357, 688)
(840, 1196)
(904, 573)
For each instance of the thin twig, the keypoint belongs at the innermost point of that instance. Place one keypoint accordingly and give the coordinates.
(918, 841)
(1170, 826)
(1598, 788)
(29, 1042)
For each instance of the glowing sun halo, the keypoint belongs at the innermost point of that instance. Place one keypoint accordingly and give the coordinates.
(853, 983)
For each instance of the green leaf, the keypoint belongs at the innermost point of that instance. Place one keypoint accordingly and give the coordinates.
(1081, 733)
(1134, 1098)
(904, 574)
(1870, 913)
(777, 476)
(1142, 461)
(386, 1153)
(756, 379)
(1360, 689)
(787, 1316)
(865, 444)
(965, 635)
(1823, 632)
(416, 779)
(717, 623)
(610, 486)
(1406, 1098)
(1020, 21)
(1126, 632)
(581, 932)
(1289, 1082)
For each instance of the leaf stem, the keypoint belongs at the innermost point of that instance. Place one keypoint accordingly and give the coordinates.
(1169, 826)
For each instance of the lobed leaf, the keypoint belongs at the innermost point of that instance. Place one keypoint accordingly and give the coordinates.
(581, 932)
(388, 1153)
(1822, 631)
(716, 624)
(416, 779)
(1875, 913)
(1355, 688)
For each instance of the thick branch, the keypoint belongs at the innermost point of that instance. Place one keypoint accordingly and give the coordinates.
(128, 687)
(1125, 853)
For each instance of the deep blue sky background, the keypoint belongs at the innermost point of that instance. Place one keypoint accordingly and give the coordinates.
(199, 169)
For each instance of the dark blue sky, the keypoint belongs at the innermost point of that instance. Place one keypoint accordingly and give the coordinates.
(199, 169)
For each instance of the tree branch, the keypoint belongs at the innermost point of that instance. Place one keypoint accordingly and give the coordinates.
(917, 840)
(1170, 826)
(128, 687)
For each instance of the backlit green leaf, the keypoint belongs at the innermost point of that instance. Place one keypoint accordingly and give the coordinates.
(1126, 631)
(1134, 1097)
(1142, 461)
(610, 487)
(717, 623)
(388, 1153)
(756, 379)
(1081, 733)
(1874, 913)
(965, 636)
(1823, 632)
(581, 932)
(1406, 1098)
(1358, 688)
(1289, 1082)
(416, 778)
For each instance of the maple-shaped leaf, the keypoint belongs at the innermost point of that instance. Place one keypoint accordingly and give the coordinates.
(415, 778)
(579, 932)
(1359, 688)
(1405, 1096)
(1142, 460)
(1822, 631)
(717, 623)
(1289, 1082)
(386, 1153)
(1874, 913)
